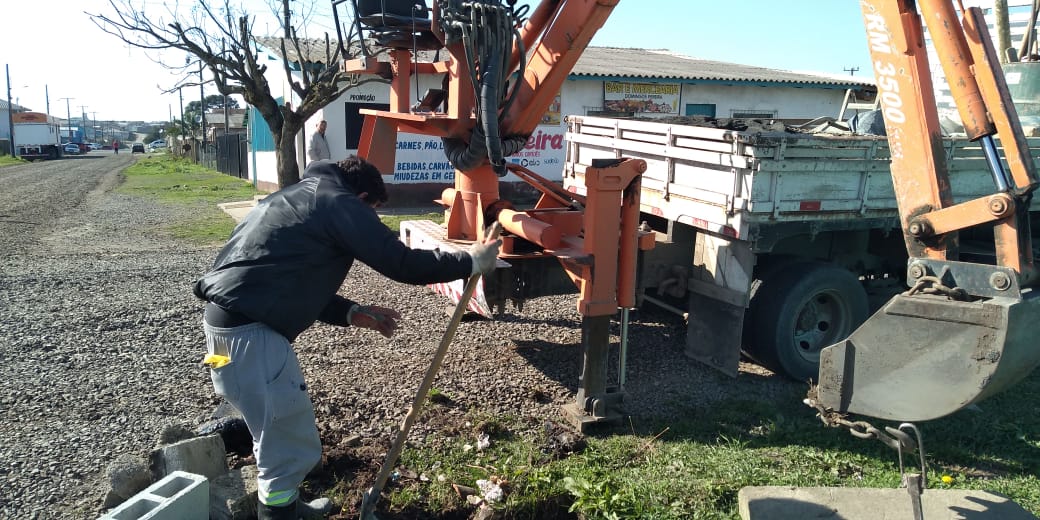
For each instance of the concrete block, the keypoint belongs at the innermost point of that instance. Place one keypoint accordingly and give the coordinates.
(232, 496)
(178, 496)
(795, 503)
(200, 455)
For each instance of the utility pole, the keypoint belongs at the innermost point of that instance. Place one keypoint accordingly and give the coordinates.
(93, 126)
(83, 120)
(852, 70)
(47, 93)
(202, 108)
(68, 115)
(10, 108)
(183, 130)
(225, 95)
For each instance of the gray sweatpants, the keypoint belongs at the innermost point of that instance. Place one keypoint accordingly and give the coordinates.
(264, 382)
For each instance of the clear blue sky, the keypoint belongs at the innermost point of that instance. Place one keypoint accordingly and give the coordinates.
(806, 35)
(51, 45)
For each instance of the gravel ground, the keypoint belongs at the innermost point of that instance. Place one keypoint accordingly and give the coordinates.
(101, 346)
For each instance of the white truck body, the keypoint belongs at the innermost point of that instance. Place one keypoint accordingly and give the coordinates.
(36, 136)
(733, 208)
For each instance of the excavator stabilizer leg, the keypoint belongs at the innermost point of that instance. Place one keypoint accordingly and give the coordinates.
(924, 356)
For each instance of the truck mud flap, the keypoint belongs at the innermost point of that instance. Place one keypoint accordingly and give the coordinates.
(714, 332)
(923, 356)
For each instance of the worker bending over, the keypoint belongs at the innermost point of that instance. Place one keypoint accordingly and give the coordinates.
(279, 273)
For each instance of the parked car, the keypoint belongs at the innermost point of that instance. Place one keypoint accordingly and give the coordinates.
(72, 149)
(84, 147)
(137, 148)
(158, 143)
(94, 146)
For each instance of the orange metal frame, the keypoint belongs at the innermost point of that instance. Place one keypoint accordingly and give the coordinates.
(919, 171)
(574, 229)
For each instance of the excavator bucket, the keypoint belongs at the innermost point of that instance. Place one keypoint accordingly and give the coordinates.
(924, 356)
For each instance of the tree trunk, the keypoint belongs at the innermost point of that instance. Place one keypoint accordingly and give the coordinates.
(285, 156)
(1003, 29)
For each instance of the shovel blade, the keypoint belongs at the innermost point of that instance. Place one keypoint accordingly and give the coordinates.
(368, 504)
(922, 357)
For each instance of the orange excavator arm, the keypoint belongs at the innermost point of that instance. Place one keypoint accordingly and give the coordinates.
(962, 331)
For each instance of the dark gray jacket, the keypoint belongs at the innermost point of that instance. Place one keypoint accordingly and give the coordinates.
(288, 257)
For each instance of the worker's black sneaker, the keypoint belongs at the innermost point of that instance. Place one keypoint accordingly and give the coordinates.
(314, 510)
(266, 512)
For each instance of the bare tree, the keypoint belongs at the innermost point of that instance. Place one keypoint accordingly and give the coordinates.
(232, 54)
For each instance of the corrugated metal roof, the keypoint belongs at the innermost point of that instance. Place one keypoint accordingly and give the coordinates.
(623, 62)
(660, 64)
(234, 120)
(313, 50)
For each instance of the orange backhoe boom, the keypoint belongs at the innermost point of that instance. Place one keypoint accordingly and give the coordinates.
(961, 333)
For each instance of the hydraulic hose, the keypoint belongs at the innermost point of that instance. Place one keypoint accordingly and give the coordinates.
(489, 116)
(485, 29)
(466, 156)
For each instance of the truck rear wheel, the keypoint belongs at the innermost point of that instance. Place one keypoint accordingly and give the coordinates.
(801, 309)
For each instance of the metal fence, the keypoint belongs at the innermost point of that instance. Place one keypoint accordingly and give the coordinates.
(230, 155)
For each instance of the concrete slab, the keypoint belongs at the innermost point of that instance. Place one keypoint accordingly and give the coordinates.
(200, 455)
(796, 503)
(238, 210)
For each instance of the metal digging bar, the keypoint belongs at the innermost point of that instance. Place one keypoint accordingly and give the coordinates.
(368, 504)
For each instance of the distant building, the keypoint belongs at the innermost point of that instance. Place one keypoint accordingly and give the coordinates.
(215, 122)
(5, 111)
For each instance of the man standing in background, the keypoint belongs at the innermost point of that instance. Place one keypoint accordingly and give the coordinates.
(319, 147)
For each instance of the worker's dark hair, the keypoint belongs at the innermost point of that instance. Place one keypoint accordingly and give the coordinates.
(362, 177)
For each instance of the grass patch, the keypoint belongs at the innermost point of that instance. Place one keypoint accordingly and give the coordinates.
(174, 180)
(693, 469)
(171, 180)
(7, 160)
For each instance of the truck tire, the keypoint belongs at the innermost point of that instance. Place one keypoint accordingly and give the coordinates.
(801, 309)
